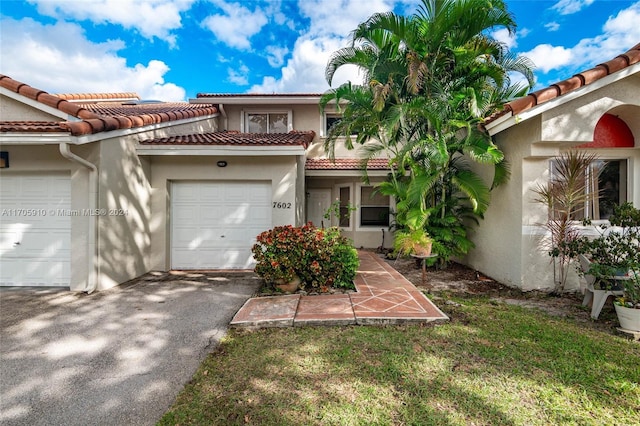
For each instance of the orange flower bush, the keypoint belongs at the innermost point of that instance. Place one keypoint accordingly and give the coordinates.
(321, 258)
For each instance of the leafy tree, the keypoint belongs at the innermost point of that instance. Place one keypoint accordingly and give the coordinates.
(429, 81)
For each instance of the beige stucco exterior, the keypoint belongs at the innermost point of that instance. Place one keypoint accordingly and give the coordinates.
(133, 182)
(510, 243)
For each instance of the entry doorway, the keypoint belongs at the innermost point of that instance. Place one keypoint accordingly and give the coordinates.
(318, 202)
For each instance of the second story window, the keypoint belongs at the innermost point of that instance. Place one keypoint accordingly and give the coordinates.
(330, 120)
(272, 122)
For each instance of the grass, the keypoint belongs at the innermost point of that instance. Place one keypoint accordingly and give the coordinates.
(493, 364)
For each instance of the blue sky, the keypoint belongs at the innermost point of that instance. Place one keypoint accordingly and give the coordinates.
(172, 50)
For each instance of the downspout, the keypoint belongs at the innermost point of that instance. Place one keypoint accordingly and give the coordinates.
(92, 282)
(224, 115)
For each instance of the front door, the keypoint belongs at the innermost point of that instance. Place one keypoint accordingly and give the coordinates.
(318, 203)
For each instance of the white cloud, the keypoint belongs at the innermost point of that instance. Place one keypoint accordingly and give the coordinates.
(59, 59)
(152, 18)
(568, 7)
(275, 55)
(547, 57)
(238, 75)
(237, 25)
(329, 31)
(620, 32)
(340, 17)
(304, 72)
(552, 26)
(503, 36)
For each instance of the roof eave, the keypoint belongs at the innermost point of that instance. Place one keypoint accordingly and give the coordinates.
(35, 138)
(345, 172)
(510, 119)
(257, 100)
(218, 150)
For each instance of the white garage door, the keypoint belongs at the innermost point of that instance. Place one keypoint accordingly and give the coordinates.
(35, 232)
(214, 224)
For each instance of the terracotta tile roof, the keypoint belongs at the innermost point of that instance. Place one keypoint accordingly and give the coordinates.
(631, 57)
(345, 164)
(235, 138)
(96, 118)
(31, 126)
(97, 96)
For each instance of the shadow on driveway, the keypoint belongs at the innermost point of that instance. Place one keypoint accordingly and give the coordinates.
(115, 357)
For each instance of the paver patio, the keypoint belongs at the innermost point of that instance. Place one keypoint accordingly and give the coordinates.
(383, 296)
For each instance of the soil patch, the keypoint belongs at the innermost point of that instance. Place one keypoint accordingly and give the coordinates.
(460, 281)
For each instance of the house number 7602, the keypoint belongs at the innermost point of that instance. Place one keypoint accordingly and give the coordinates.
(278, 205)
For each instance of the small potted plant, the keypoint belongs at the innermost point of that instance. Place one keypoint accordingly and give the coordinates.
(413, 242)
(628, 306)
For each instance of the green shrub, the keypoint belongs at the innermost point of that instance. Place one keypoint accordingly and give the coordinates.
(320, 257)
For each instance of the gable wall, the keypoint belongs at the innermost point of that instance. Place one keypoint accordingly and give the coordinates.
(12, 110)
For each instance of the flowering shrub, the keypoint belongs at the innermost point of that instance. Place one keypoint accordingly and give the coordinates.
(321, 258)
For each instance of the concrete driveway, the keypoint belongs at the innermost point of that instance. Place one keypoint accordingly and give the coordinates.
(115, 357)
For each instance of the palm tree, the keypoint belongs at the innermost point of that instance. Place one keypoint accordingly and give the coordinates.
(429, 81)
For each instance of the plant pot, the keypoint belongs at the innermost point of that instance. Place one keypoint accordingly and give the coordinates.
(288, 287)
(423, 250)
(629, 317)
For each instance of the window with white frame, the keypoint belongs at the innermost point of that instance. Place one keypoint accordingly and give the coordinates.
(329, 120)
(374, 207)
(610, 183)
(267, 122)
(606, 181)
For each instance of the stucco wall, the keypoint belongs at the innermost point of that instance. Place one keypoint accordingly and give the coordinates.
(281, 171)
(498, 237)
(124, 197)
(12, 110)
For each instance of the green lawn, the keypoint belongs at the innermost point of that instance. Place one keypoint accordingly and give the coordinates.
(493, 364)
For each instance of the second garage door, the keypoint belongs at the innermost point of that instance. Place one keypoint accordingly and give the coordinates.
(35, 229)
(214, 224)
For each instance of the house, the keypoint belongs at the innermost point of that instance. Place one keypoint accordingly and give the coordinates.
(97, 189)
(597, 110)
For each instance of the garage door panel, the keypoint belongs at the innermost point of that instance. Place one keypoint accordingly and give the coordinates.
(41, 243)
(35, 238)
(8, 239)
(42, 272)
(237, 259)
(205, 257)
(220, 236)
(210, 214)
(236, 214)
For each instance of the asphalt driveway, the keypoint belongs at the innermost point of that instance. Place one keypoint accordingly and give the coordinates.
(115, 357)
